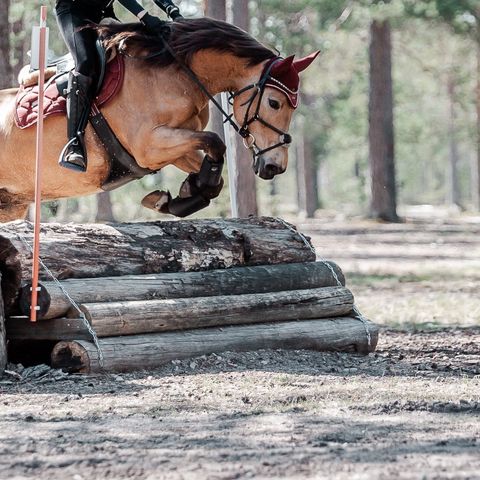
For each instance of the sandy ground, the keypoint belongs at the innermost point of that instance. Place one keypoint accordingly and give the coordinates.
(412, 410)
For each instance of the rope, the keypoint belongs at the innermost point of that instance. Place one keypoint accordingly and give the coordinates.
(75, 305)
(358, 315)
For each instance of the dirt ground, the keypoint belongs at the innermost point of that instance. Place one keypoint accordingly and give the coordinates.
(411, 410)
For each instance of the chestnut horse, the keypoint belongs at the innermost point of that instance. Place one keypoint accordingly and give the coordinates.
(161, 110)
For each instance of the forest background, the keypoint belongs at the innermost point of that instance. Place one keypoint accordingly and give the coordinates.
(389, 115)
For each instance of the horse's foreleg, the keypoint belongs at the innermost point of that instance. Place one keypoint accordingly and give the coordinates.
(202, 184)
(212, 145)
(178, 146)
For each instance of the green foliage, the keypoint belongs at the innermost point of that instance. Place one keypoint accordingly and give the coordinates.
(462, 15)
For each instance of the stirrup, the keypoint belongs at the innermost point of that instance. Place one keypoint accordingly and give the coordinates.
(64, 162)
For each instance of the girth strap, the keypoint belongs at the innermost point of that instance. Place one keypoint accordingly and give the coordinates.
(123, 168)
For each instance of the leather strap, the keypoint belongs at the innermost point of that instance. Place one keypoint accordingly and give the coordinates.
(123, 167)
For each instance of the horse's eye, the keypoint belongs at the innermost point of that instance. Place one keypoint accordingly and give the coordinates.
(274, 104)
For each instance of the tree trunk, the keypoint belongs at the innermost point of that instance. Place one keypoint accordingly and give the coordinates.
(476, 169)
(135, 352)
(104, 208)
(94, 250)
(216, 9)
(453, 190)
(306, 175)
(383, 204)
(245, 180)
(5, 65)
(19, 50)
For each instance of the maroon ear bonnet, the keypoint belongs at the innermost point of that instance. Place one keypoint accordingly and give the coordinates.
(284, 75)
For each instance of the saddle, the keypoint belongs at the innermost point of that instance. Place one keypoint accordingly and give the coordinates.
(123, 167)
(56, 78)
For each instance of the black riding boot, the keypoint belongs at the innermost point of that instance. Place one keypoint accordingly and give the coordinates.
(74, 154)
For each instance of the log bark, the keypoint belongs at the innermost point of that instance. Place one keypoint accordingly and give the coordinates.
(149, 351)
(150, 316)
(53, 329)
(92, 250)
(3, 339)
(231, 281)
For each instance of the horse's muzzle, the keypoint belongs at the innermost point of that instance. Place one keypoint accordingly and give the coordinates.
(266, 169)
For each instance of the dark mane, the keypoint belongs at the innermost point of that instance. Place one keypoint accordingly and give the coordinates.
(185, 37)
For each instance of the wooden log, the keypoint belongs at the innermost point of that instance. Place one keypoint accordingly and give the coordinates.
(140, 352)
(231, 281)
(53, 329)
(149, 316)
(93, 250)
(3, 338)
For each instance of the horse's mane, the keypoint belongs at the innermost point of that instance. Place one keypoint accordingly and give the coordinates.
(185, 37)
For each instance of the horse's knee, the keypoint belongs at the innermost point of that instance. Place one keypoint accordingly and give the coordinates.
(213, 144)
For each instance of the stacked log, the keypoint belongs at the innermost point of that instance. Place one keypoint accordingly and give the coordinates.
(138, 352)
(236, 280)
(158, 291)
(94, 250)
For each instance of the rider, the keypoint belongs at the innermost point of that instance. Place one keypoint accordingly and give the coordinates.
(72, 16)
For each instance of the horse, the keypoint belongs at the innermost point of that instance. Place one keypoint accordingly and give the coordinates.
(161, 110)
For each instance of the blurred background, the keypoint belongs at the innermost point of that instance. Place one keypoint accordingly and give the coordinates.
(389, 115)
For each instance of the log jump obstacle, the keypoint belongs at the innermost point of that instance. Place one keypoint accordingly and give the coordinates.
(157, 291)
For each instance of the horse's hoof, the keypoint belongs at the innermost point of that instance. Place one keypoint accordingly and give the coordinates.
(157, 201)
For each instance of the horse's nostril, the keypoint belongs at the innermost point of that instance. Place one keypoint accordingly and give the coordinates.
(272, 170)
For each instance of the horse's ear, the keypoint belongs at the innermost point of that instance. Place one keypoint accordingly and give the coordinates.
(282, 66)
(301, 64)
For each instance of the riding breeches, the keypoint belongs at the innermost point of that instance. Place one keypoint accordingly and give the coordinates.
(72, 18)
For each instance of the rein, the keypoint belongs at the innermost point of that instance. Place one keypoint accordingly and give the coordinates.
(259, 90)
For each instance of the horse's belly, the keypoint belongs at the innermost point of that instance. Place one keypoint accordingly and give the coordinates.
(18, 159)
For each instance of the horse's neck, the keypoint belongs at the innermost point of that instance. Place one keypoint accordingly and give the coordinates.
(222, 72)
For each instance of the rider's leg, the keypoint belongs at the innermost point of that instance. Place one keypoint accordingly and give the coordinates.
(82, 81)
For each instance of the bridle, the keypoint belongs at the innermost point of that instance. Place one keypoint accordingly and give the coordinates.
(258, 90)
(244, 130)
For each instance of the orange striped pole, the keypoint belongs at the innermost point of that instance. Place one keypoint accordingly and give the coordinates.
(38, 163)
